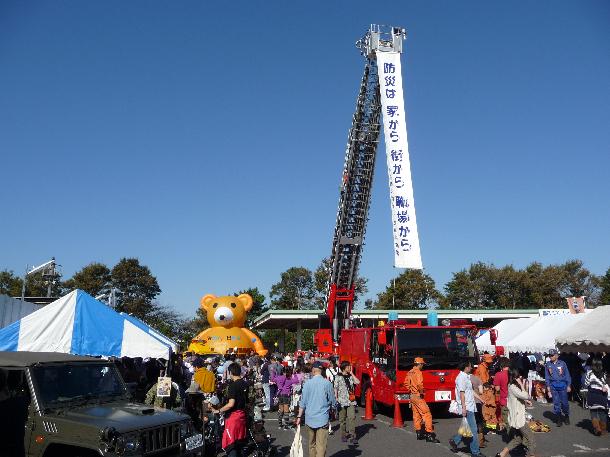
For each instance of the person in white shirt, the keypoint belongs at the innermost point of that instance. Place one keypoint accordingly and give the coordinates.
(331, 373)
(465, 397)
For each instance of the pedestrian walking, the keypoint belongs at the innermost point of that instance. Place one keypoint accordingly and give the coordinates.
(465, 398)
(316, 402)
(345, 384)
(520, 432)
(559, 384)
(421, 412)
(265, 382)
(331, 371)
(284, 384)
(477, 385)
(596, 384)
(234, 434)
(501, 385)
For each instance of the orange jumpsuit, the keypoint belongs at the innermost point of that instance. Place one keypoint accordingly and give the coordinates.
(482, 372)
(421, 412)
(489, 407)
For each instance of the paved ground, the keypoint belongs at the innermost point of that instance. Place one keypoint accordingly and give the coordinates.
(378, 438)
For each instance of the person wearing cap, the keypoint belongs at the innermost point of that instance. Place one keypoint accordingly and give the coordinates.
(317, 399)
(414, 382)
(482, 370)
(559, 383)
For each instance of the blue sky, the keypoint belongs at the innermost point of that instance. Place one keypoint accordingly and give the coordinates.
(208, 139)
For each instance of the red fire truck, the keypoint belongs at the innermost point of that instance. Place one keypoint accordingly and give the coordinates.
(382, 356)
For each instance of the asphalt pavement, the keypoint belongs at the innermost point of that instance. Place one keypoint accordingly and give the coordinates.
(379, 438)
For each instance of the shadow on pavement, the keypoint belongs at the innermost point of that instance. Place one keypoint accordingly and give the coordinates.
(347, 452)
(586, 424)
(362, 430)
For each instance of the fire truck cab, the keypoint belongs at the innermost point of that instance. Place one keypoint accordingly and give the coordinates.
(382, 356)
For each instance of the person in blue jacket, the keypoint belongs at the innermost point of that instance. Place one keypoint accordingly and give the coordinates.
(559, 383)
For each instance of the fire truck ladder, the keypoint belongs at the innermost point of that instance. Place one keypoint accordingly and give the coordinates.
(357, 180)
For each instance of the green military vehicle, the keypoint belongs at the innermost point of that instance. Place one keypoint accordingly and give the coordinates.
(73, 406)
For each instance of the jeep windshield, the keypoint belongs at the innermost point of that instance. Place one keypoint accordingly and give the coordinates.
(440, 348)
(62, 385)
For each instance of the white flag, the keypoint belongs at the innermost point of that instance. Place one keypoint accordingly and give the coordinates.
(406, 239)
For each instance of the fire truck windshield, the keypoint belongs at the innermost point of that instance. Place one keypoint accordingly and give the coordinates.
(441, 348)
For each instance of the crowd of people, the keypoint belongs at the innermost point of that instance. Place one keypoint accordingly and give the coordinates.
(492, 396)
(495, 395)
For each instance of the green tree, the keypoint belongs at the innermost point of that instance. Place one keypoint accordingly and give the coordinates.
(10, 284)
(604, 285)
(321, 278)
(170, 323)
(272, 336)
(95, 279)
(485, 286)
(136, 288)
(294, 291)
(412, 289)
(258, 304)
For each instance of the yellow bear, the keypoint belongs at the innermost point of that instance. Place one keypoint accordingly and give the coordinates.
(226, 316)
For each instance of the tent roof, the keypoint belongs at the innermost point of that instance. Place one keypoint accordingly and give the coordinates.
(507, 329)
(540, 336)
(25, 358)
(79, 324)
(592, 334)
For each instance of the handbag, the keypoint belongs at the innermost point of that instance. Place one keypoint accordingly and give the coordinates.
(296, 450)
(596, 397)
(454, 408)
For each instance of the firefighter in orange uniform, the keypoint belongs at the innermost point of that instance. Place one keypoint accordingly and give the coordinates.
(482, 370)
(421, 412)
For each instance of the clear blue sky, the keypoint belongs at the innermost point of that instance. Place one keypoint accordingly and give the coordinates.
(208, 139)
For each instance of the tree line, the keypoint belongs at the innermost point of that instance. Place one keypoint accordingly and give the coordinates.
(479, 286)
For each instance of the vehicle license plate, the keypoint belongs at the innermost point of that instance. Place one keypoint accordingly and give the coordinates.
(193, 442)
(442, 395)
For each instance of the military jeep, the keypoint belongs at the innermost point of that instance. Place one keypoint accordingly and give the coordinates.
(73, 406)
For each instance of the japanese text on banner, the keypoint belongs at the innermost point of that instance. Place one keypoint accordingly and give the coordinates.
(406, 239)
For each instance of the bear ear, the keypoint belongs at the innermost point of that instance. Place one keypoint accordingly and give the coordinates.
(246, 301)
(206, 302)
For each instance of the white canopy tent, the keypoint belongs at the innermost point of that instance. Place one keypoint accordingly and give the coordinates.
(540, 336)
(592, 334)
(507, 330)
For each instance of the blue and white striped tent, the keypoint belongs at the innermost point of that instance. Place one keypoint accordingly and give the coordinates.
(79, 324)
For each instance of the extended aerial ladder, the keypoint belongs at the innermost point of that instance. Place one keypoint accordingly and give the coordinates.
(356, 185)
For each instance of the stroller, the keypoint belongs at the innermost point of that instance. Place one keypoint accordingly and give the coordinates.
(259, 441)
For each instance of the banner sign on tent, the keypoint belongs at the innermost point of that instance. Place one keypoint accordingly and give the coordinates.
(576, 304)
(406, 239)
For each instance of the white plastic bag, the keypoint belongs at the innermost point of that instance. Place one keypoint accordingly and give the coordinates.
(464, 429)
(454, 408)
(296, 450)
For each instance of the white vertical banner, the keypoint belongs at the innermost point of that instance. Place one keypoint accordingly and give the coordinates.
(404, 223)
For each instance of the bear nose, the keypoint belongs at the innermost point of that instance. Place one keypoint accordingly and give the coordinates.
(221, 317)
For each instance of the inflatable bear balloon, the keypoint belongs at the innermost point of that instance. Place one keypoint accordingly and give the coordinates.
(226, 316)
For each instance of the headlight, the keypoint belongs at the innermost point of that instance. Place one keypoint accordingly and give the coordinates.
(127, 444)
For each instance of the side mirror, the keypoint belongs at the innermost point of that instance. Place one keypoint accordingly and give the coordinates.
(493, 336)
(381, 339)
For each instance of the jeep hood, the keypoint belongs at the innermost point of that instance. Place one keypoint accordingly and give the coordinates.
(123, 417)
